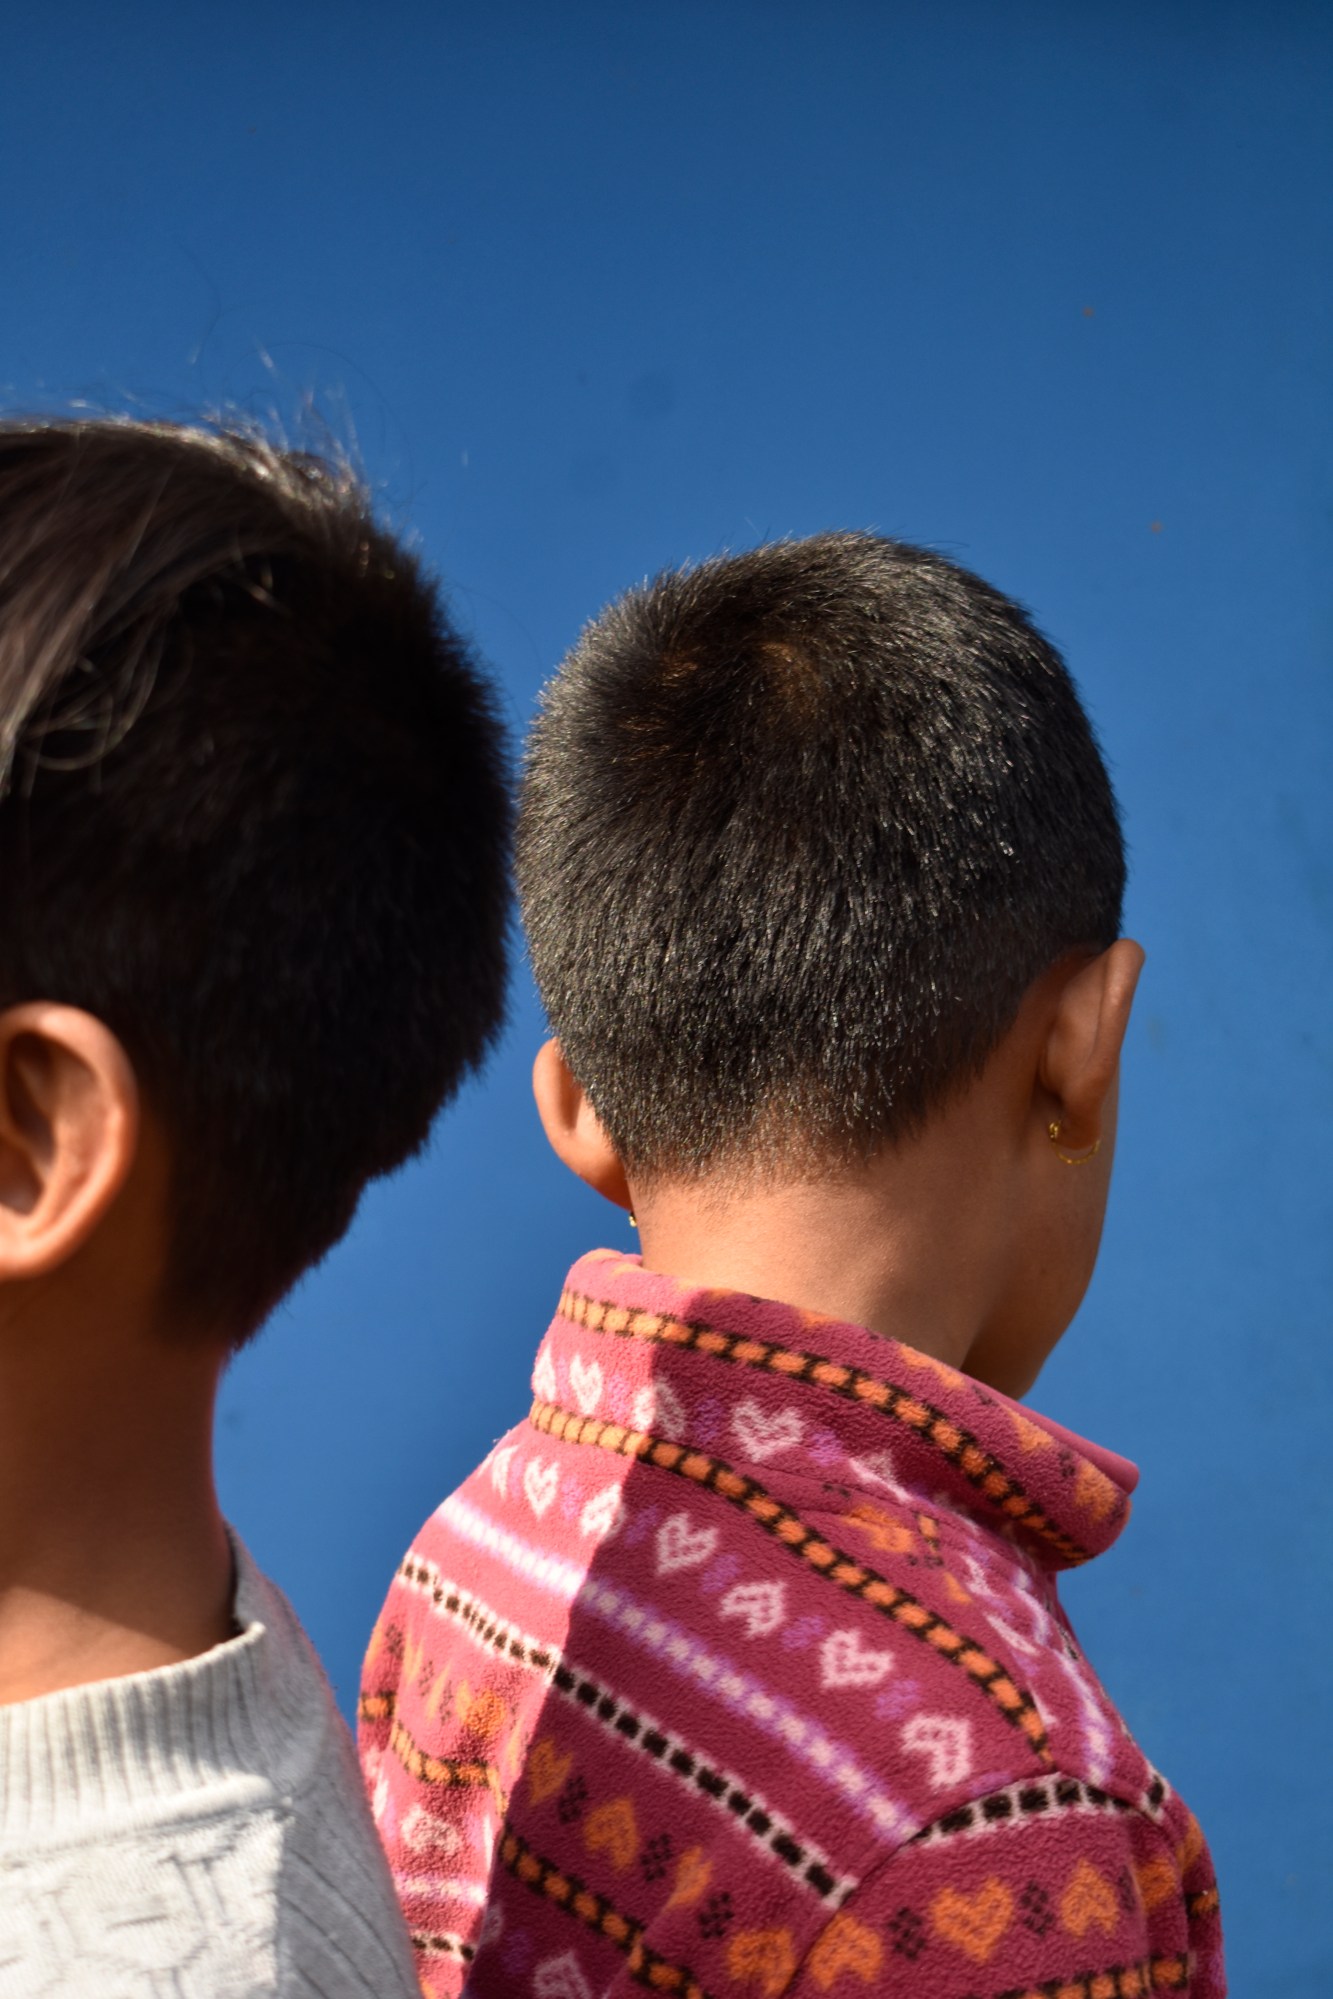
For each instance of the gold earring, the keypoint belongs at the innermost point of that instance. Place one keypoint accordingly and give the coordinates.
(1066, 1158)
(633, 1224)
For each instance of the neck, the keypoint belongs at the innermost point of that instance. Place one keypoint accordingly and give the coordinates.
(914, 1244)
(113, 1554)
(815, 1248)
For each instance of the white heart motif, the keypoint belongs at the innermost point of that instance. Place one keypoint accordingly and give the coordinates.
(1014, 1638)
(762, 1607)
(656, 1407)
(585, 1378)
(876, 1470)
(604, 1514)
(543, 1377)
(540, 1482)
(946, 1740)
(763, 1435)
(845, 1662)
(561, 1978)
(422, 1832)
(500, 1463)
(681, 1545)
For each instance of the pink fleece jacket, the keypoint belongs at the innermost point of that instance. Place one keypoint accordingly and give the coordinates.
(738, 1671)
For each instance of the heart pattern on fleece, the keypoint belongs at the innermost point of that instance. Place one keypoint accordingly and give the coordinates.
(425, 1833)
(500, 1461)
(974, 1923)
(604, 1514)
(876, 1468)
(694, 1871)
(543, 1377)
(766, 1957)
(946, 1740)
(762, 1434)
(761, 1607)
(613, 1829)
(846, 1946)
(541, 1482)
(484, 1713)
(585, 1378)
(547, 1770)
(844, 1661)
(657, 1407)
(1088, 1902)
(682, 1545)
(561, 1978)
(1158, 1882)
(790, 1609)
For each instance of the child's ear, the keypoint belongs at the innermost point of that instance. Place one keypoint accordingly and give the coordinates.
(573, 1128)
(69, 1125)
(1081, 1056)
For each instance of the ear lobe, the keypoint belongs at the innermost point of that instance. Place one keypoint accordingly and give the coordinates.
(1081, 1058)
(573, 1129)
(69, 1127)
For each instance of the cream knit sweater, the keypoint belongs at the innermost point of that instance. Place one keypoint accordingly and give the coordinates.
(199, 1832)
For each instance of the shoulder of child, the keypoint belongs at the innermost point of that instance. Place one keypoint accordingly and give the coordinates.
(205, 1821)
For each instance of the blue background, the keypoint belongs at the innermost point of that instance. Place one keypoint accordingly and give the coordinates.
(596, 289)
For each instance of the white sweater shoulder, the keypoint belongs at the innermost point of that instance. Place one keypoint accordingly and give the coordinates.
(199, 1832)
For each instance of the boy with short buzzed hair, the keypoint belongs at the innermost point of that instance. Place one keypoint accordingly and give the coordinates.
(253, 834)
(738, 1669)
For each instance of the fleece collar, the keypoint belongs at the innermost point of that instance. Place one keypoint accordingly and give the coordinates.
(728, 1385)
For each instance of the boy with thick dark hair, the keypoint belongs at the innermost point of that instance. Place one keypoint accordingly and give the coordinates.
(253, 832)
(739, 1668)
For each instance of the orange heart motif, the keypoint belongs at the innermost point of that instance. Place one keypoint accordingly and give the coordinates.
(973, 1923)
(1158, 1882)
(483, 1714)
(1031, 1436)
(414, 1658)
(1088, 1901)
(942, 1372)
(767, 1957)
(613, 1829)
(694, 1871)
(1190, 1847)
(1094, 1490)
(846, 1945)
(547, 1770)
(880, 1528)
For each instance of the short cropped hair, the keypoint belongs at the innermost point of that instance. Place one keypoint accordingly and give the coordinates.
(254, 815)
(799, 828)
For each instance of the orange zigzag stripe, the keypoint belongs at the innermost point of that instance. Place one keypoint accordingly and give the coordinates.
(645, 1966)
(1015, 1704)
(451, 1772)
(432, 1943)
(978, 1465)
(1122, 1981)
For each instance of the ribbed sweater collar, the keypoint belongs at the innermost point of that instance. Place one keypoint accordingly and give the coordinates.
(772, 1390)
(235, 1717)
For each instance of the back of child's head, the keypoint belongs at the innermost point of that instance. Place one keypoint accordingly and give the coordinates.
(253, 815)
(800, 827)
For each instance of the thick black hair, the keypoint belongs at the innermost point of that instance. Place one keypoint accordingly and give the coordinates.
(799, 828)
(253, 815)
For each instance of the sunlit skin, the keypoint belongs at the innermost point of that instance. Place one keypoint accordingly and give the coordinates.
(973, 1241)
(113, 1554)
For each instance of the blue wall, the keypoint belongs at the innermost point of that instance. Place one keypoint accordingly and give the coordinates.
(599, 288)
